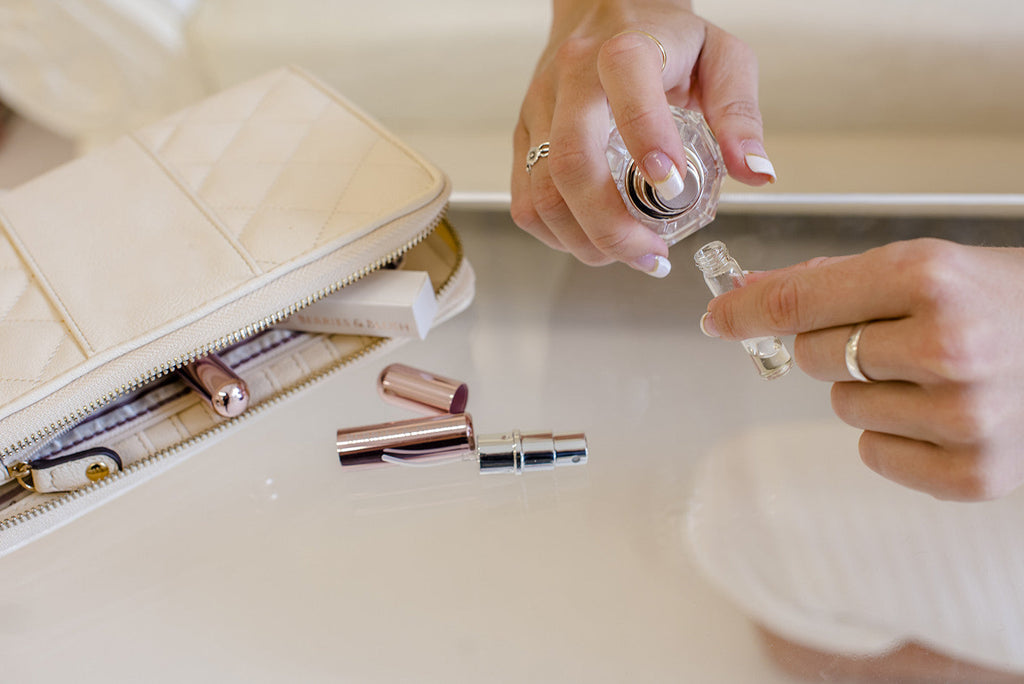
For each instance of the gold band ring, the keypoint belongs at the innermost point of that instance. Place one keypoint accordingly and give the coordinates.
(661, 48)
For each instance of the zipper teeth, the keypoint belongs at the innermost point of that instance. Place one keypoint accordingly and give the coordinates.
(248, 331)
(67, 497)
(162, 455)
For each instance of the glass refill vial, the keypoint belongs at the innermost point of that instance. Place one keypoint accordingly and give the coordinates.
(675, 218)
(722, 273)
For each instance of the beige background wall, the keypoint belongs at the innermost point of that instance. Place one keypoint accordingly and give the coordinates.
(874, 96)
(877, 96)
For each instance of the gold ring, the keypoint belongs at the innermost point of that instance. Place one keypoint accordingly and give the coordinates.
(661, 48)
(852, 351)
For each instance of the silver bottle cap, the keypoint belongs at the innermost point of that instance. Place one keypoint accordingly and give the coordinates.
(646, 199)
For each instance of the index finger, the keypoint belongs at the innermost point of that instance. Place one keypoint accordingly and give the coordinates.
(820, 294)
(630, 68)
(579, 169)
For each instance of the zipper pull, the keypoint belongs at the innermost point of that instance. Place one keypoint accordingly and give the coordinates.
(67, 473)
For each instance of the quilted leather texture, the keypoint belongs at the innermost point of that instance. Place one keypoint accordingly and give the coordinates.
(260, 177)
(283, 167)
(26, 311)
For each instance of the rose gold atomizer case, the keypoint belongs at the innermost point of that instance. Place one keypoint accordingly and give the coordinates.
(705, 170)
(447, 438)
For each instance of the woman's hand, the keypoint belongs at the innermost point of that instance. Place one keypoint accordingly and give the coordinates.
(945, 413)
(606, 52)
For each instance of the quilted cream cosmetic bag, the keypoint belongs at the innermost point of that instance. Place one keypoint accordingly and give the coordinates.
(197, 234)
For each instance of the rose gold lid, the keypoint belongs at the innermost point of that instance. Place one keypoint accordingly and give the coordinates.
(421, 391)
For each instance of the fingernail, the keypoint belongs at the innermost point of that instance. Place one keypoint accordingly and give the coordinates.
(653, 265)
(707, 325)
(761, 164)
(664, 175)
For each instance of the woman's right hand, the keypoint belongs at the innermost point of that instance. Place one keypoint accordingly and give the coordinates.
(607, 53)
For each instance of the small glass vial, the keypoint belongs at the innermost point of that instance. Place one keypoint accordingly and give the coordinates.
(722, 273)
(702, 181)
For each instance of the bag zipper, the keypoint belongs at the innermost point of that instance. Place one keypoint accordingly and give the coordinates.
(77, 416)
(65, 498)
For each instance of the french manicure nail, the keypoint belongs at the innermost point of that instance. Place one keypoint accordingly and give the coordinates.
(664, 175)
(653, 265)
(707, 325)
(762, 165)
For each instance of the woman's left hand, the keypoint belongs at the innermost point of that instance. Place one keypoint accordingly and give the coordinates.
(945, 411)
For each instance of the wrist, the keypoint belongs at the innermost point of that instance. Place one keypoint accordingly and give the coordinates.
(570, 12)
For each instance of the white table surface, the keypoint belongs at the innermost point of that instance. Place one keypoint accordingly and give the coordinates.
(260, 560)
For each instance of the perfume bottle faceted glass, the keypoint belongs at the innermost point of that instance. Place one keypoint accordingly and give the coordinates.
(675, 218)
(722, 273)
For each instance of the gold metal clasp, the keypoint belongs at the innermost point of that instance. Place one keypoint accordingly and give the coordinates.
(20, 471)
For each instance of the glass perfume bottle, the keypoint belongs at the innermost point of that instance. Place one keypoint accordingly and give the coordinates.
(674, 218)
(722, 273)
